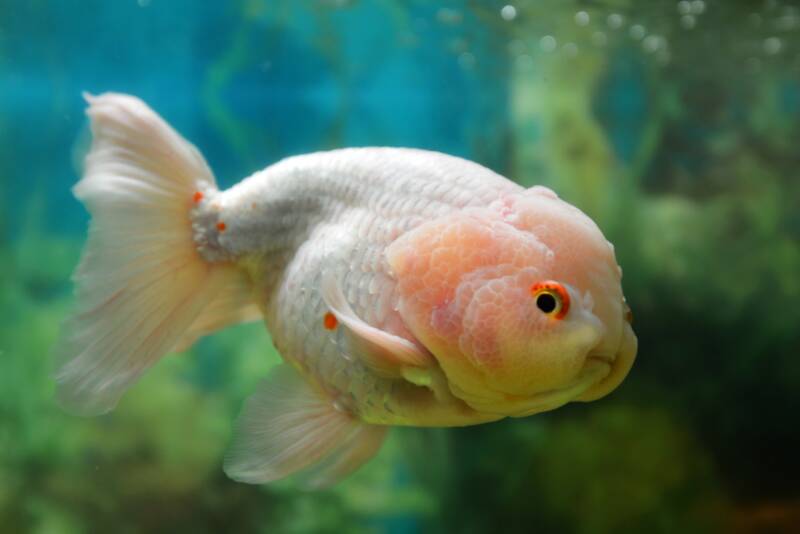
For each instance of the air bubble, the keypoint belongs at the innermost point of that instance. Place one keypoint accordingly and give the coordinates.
(548, 43)
(637, 31)
(582, 18)
(615, 21)
(688, 21)
(508, 12)
(698, 7)
(684, 7)
(787, 22)
(772, 45)
(570, 49)
(653, 43)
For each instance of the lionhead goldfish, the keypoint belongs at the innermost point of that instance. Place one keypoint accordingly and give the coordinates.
(401, 287)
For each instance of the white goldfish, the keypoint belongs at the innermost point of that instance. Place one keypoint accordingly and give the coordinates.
(401, 287)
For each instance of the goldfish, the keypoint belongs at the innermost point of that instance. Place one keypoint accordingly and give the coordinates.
(401, 287)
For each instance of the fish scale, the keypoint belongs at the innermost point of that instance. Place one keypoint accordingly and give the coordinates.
(363, 199)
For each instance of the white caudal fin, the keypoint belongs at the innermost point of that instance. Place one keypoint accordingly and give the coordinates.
(142, 287)
(288, 427)
(233, 304)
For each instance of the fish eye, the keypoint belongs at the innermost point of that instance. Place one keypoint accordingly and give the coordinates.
(546, 302)
(551, 298)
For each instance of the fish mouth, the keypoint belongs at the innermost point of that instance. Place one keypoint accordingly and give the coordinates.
(606, 359)
(618, 367)
(601, 373)
(595, 369)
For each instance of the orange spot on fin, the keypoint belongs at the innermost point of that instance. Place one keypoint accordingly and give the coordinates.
(221, 226)
(330, 321)
(198, 196)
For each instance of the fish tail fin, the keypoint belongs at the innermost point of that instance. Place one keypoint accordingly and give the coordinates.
(142, 287)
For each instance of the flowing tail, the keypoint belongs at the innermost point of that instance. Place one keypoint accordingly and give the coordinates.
(143, 289)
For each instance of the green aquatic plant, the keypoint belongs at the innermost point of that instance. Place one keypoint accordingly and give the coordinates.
(621, 468)
(628, 469)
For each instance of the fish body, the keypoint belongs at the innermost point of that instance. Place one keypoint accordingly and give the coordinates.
(334, 214)
(400, 286)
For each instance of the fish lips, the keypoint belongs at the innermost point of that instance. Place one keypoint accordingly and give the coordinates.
(619, 365)
(601, 374)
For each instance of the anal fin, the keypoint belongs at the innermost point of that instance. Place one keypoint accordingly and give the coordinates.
(287, 427)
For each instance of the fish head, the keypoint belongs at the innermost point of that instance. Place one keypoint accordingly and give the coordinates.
(520, 303)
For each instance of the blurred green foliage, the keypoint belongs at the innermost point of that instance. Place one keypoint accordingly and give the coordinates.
(695, 183)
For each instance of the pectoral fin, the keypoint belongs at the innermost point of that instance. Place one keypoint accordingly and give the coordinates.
(385, 353)
(287, 427)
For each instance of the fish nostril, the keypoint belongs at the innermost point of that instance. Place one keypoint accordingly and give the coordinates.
(588, 301)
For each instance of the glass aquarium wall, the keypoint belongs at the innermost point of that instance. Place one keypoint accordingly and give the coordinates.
(674, 124)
